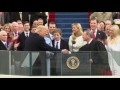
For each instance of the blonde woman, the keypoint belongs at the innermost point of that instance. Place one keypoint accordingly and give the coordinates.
(7, 28)
(75, 40)
(113, 48)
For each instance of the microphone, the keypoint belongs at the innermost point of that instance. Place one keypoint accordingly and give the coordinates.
(73, 42)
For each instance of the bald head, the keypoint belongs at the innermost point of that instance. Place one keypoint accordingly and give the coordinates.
(3, 36)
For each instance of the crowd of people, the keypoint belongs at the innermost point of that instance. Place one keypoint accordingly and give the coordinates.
(31, 34)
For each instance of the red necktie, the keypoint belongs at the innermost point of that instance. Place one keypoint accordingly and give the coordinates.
(93, 36)
(15, 33)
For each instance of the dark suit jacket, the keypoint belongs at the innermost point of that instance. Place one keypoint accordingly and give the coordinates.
(97, 47)
(37, 43)
(14, 16)
(63, 44)
(2, 46)
(101, 35)
(21, 40)
(99, 56)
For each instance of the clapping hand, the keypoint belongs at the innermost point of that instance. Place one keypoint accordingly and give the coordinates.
(15, 38)
(91, 61)
(16, 45)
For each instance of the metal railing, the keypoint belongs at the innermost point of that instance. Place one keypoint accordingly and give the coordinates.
(47, 63)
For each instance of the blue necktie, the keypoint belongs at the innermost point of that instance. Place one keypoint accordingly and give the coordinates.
(6, 45)
(57, 45)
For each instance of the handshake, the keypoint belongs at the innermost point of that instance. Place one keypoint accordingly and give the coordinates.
(65, 51)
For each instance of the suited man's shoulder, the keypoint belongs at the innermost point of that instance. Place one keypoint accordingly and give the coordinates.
(2, 47)
(20, 34)
(96, 42)
(99, 32)
(63, 40)
(84, 48)
(0, 42)
(37, 37)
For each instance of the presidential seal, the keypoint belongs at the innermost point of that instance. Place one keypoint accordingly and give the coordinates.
(73, 62)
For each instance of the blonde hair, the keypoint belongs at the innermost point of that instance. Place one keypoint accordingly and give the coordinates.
(79, 27)
(40, 28)
(116, 32)
(10, 32)
(6, 25)
(2, 32)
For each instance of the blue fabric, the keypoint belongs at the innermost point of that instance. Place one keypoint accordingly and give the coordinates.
(6, 45)
(48, 41)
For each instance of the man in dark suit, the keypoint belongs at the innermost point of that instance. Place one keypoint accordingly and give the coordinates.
(15, 16)
(22, 37)
(98, 54)
(51, 26)
(58, 43)
(3, 40)
(36, 42)
(63, 44)
(4, 55)
(97, 34)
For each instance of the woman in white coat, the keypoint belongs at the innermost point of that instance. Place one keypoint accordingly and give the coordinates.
(76, 40)
(113, 48)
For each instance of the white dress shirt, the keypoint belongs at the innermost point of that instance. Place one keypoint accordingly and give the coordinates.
(27, 33)
(90, 41)
(4, 42)
(51, 36)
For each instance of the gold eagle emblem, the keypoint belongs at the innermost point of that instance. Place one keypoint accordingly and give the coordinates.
(73, 62)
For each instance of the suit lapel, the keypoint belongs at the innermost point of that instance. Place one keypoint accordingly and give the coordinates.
(2, 45)
(61, 42)
(53, 43)
(91, 45)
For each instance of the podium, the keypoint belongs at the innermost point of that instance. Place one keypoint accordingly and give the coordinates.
(75, 64)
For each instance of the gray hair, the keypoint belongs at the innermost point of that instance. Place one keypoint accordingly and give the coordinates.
(89, 32)
(1, 33)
